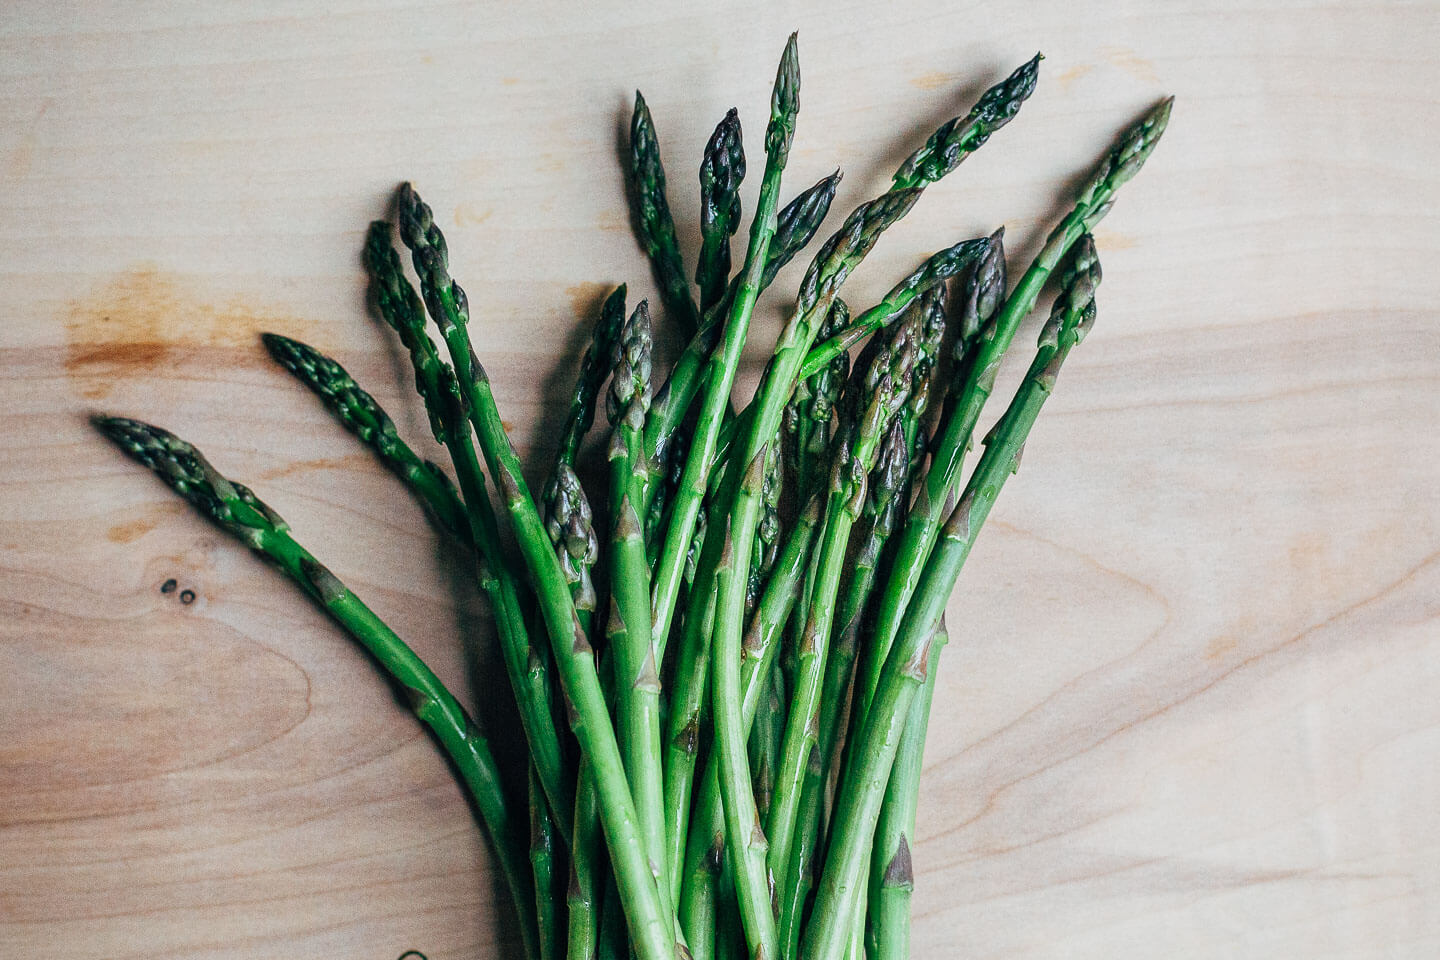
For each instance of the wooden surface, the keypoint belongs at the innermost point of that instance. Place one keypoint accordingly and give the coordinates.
(1191, 709)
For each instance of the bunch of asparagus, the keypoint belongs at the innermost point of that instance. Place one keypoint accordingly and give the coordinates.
(724, 659)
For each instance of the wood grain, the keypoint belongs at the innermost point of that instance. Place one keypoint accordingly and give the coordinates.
(1191, 708)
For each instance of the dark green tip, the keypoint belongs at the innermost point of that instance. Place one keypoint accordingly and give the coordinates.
(796, 224)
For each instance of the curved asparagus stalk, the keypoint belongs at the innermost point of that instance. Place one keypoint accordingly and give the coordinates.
(526, 664)
(652, 214)
(857, 807)
(721, 172)
(237, 511)
(651, 924)
(368, 421)
(942, 482)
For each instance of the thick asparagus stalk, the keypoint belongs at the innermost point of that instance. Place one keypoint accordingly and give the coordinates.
(857, 806)
(237, 511)
(651, 924)
(543, 855)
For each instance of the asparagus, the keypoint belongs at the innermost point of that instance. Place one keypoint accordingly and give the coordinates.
(761, 646)
(543, 867)
(795, 226)
(892, 871)
(637, 675)
(582, 897)
(652, 217)
(857, 806)
(720, 174)
(368, 421)
(941, 484)
(435, 381)
(594, 367)
(237, 511)
(651, 927)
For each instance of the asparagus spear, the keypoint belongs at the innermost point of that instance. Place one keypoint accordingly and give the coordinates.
(237, 511)
(594, 367)
(543, 867)
(637, 675)
(652, 214)
(795, 226)
(525, 663)
(364, 417)
(892, 871)
(720, 174)
(651, 924)
(906, 666)
(942, 481)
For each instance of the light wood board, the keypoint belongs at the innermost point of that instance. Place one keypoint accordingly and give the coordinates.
(1191, 705)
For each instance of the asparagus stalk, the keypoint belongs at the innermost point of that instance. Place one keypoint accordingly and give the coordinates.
(652, 214)
(525, 663)
(942, 482)
(237, 511)
(543, 867)
(594, 367)
(892, 871)
(583, 895)
(651, 924)
(637, 675)
(857, 806)
(368, 421)
(721, 172)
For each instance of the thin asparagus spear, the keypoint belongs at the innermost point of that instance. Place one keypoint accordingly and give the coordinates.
(525, 663)
(652, 213)
(857, 807)
(570, 525)
(942, 482)
(594, 368)
(892, 871)
(708, 821)
(651, 924)
(888, 382)
(766, 735)
(365, 418)
(237, 511)
(588, 853)
(721, 172)
(721, 369)
(637, 677)
(767, 534)
(543, 867)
